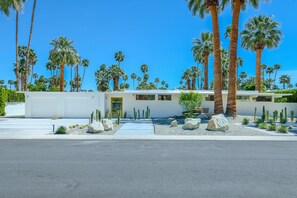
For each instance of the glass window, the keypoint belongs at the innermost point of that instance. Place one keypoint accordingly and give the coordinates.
(145, 97)
(263, 99)
(209, 98)
(243, 98)
(164, 97)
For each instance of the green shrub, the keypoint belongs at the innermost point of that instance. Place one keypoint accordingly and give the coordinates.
(283, 120)
(13, 96)
(282, 129)
(271, 121)
(61, 130)
(190, 101)
(292, 116)
(262, 126)
(245, 121)
(258, 121)
(289, 99)
(271, 127)
(3, 100)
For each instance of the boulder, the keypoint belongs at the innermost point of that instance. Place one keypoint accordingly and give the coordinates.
(203, 116)
(191, 124)
(107, 124)
(95, 127)
(218, 123)
(174, 123)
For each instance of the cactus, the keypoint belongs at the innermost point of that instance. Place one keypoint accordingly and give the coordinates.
(292, 116)
(255, 113)
(143, 114)
(92, 117)
(125, 114)
(135, 116)
(263, 113)
(276, 115)
(138, 114)
(119, 117)
(286, 114)
(267, 116)
(99, 115)
(148, 112)
(281, 115)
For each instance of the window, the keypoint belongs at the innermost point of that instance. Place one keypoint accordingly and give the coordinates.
(243, 98)
(145, 97)
(209, 98)
(164, 97)
(263, 99)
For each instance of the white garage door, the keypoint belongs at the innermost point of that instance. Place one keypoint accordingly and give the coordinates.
(81, 107)
(44, 107)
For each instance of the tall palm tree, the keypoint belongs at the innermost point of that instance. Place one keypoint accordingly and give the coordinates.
(269, 71)
(260, 32)
(133, 77)
(157, 81)
(139, 79)
(187, 76)
(85, 63)
(144, 69)
(119, 57)
(285, 79)
(276, 67)
(237, 6)
(263, 68)
(29, 43)
(239, 63)
(225, 63)
(203, 7)
(116, 72)
(204, 48)
(102, 78)
(242, 75)
(63, 53)
(195, 73)
(10, 82)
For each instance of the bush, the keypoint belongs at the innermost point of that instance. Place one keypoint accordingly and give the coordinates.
(262, 126)
(3, 100)
(61, 130)
(190, 101)
(245, 121)
(13, 96)
(282, 129)
(289, 99)
(283, 120)
(271, 121)
(271, 127)
(258, 121)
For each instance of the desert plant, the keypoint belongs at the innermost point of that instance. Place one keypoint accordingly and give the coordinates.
(263, 113)
(271, 121)
(92, 117)
(61, 130)
(267, 116)
(190, 101)
(119, 118)
(284, 121)
(286, 114)
(135, 114)
(291, 127)
(148, 112)
(262, 126)
(292, 116)
(255, 113)
(282, 129)
(276, 115)
(258, 121)
(97, 115)
(138, 114)
(281, 116)
(143, 114)
(245, 121)
(125, 114)
(271, 127)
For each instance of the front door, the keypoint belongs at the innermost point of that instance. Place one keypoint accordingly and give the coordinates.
(116, 106)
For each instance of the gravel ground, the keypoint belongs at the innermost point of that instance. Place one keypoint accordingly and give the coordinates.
(78, 131)
(162, 127)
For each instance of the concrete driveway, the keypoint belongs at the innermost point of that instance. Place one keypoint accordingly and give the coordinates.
(24, 126)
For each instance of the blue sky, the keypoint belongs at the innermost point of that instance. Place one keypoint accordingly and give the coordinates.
(157, 33)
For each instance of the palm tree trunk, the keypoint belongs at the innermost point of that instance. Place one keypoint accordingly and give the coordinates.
(32, 70)
(231, 109)
(17, 81)
(115, 84)
(274, 78)
(194, 84)
(218, 98)
(189, 84)
(62, 77)
(76, 73)
(258, 69)
(205, 63)
(29, 44)
(83, 77)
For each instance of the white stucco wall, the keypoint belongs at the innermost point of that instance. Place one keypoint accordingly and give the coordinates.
(13, 109)
(62, 105)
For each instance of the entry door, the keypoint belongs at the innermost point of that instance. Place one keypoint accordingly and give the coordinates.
(116, 106)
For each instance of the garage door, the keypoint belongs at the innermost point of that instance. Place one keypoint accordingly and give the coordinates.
(44, 107)
(78, 107)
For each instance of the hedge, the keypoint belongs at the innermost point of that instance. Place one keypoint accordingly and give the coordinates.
(289, 99)
(3, 99)
(13, 96)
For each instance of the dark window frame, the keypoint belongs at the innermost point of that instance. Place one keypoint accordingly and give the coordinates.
(145, 97)
(164, 97)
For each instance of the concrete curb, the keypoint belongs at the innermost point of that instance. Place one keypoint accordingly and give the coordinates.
(151, 137)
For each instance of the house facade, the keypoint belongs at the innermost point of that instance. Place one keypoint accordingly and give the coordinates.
(162, 103)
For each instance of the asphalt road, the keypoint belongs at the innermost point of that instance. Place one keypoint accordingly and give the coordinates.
(136, 169)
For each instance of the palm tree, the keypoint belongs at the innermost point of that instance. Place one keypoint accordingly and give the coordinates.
(29, 43)
(239, 63)
(157, 81)
(260, 32)
(139, 79)
(237, 6)
(195, 73)
(144, 69)
(269, 71)
(225, 64)
(163, 83)
(133, 77)
(85, 63)
(11, 82)
(102, 78)
(116, 72)
(204, 48)
(119, 57)
(187, 75)
(202, 7)
(263, 68)
(146, 77)
(63, 53)
(242, 75)
(276, 67)
(228, 32)
(285, 79)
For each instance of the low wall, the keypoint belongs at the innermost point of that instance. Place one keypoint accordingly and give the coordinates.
(15, 109)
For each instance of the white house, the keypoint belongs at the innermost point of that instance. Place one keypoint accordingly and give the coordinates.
(162, 103)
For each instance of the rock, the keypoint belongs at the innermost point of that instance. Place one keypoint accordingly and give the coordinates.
(174, 123)
(203, 116)
(218, 123)
(107, 124)
(191, 124)
(95, 127)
